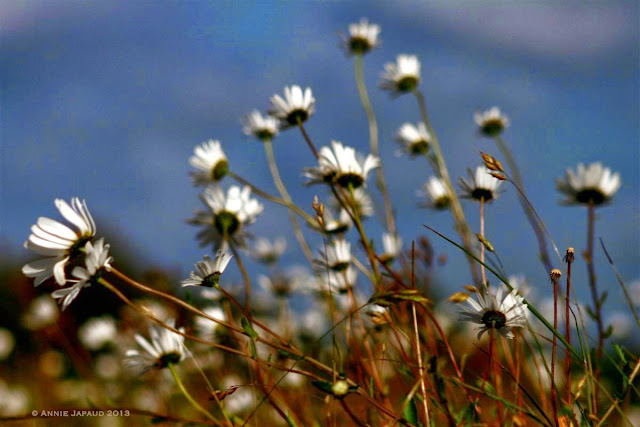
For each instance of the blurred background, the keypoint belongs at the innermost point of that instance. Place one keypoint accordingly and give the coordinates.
(106, 100)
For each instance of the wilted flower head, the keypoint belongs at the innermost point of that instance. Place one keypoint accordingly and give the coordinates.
(491, 122)
(209, 270)
(259, 126)
(492, 311)
(62, 246)
(226, 216)
(211, 162)
(97, 261)
(481, 186)
(296, 106)
(414, 140)
(269, 252)
(339, 165)
(97, 332)
(401, 76)
(363, 37)
(165, 347)
(591, 184)
(437, 193)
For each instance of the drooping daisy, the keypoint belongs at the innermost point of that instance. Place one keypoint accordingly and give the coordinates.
(414, 140)
(62, 246)
(97, 332)
(437, 194)
(339, 165)
(296, 106)
(593, 184)
(259, 126)
(164, 347)
(493, 311)
(402, 76)
(491, 122)
(481, 186)
(363, 37)
(392, 246)
(269, 252)
(97, 261)
(336, 256)
(211, 162)
(209, 270)
(333, 225)
(226, 215)
(206, 328)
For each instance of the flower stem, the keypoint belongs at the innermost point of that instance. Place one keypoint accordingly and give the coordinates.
(245, 277)
(456, 209)
(186, 394)
(569, 260)
(482, 248)
(373, 141)
(554, 404)
(307, 139)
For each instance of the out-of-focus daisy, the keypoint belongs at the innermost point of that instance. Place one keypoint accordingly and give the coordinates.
(361, 202)
(7, 343)
(209, 270)
(481, 185)
(336, 256)
(259, 126)
(164, 347)
(62, 246)
(97, 332)
(283, 284)
(363, 36)
(339, 165)
(42, 312)
(340, 281)
(107, 366)
(14, 401)
(339, 225)
(436, 191)
(401, 76)
(268, 252)
(414, 140)
(206, 328)
(211, 162)
(591, 184)
(97, 261)
(391, 245)
(491, 122)
(296, 106)
(226, 216)
(494, 310)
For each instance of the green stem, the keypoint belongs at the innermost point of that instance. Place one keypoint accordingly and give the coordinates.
(597, 302)
(373, 141)
(186, 394)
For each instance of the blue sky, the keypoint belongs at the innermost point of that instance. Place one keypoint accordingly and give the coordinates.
(106, 101)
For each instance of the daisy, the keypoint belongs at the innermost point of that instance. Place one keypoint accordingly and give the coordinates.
(296, 106)
(283, 284)
(492, 311)
(262, 127)
(209, 271)
(436, 192)
(226, 216)
(392, 246)
(593, 184)
(333, 225)
(61, 245)
(164, 348)
(342, 281)
(7, 343)
(211, 162)
(414, 140)
(97, 261)
(336, 257)
(481, 186)
(402, 76)
(267, 252)
(491, 122)
(42, 312)
(206, 328)
(97, 332)
(363, 37)
(339, 165)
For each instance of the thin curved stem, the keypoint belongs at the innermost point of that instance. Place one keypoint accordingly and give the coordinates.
(186, 394)
(482, 248)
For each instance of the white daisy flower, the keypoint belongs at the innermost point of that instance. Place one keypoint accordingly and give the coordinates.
(362, 203)
(339, 225)
(42, 312)
(339, 165)
(591, 184)
(211, 162)
(392, 246)
(295, 106)
(401, 76)
(267, 252)
(165, 347)
(259, 126)
(492, 311)
(226, 216)
(209, 270)
(363, 37)
(437, 193)
(97, 332)
(341, 281)
(283, 284)
(336, 256)
(7, 343)
(61, 245)
(414, 140)
(97, 260)
(480, 186)
(206, 328)
(491, 122)
(14, 401)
